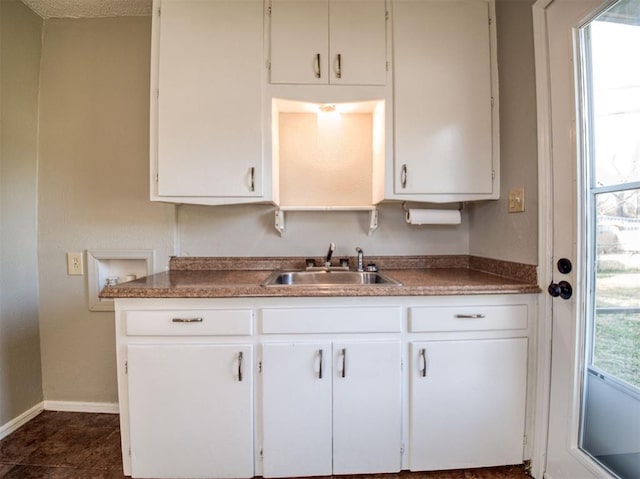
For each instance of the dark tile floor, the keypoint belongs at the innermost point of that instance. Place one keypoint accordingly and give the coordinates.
(65, 445)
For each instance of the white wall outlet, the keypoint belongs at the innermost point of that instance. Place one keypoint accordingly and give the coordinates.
(75, 264)
(516, 200)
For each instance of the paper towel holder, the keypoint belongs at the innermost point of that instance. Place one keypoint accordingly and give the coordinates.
(405, 206)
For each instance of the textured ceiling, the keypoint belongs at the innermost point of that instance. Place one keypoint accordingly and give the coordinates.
(89, 8)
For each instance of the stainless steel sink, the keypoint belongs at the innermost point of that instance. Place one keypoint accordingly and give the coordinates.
(329, 278)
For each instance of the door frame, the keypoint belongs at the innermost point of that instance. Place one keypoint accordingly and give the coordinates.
(545, 240)
(545, 252)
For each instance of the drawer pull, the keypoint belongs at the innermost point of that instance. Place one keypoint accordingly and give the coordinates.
(240, 366)
(343, 352)
(320, 368)
(423, 355)
(187, 320)
(469, 316)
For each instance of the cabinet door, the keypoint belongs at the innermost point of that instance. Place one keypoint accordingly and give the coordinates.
(358, 49)
(367, 409)
(467, 403)
(328, 41)
(191, 410)
(299, 41)
(442, 97)
(210, 99)
(296, 409)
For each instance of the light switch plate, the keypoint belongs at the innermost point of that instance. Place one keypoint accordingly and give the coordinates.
(516, 200)
(74, 264)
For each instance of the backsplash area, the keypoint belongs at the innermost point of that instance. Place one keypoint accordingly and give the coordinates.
(249, 230)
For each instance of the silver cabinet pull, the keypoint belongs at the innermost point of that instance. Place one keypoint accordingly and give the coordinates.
(187, 320)
(403, 176)
(339, 67)
(469, 316)
(240, 366)
(252, 176)
(320, 369)
(343, 352)
(317, 66)
(423, 355)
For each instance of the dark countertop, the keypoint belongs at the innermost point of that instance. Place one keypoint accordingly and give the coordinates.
(242, 277)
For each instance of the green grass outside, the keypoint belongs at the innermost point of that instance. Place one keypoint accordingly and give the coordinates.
(617, 346)
(617, 336)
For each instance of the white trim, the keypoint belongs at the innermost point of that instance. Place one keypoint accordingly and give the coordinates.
(545, 239)
(21, 420)
(73, 406)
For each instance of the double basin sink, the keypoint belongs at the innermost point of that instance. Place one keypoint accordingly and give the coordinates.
(327, 278)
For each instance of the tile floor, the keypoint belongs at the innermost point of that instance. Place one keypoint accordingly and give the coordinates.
(64, 445)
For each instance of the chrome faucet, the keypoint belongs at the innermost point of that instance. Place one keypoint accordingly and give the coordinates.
(360, 261)
(332, 248)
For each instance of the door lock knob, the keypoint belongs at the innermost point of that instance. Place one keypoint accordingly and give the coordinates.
(562, 289)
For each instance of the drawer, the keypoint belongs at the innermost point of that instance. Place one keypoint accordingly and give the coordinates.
(467, 318)
(332, 320)
(232, 322)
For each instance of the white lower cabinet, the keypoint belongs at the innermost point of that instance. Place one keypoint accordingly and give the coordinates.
(191, 410)
(286, 387)
(467, 403)
(331, 407)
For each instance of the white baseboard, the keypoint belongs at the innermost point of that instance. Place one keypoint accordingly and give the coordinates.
(22, 419)
(71, 406)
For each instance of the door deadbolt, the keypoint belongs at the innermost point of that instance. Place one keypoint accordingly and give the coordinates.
(564, 265)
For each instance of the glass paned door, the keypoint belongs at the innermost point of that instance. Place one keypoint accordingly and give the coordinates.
(610, 123)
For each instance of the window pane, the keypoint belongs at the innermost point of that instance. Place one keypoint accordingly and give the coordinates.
(616, 101)
(616, 344)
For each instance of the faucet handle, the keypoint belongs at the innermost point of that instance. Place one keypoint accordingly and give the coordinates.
(332, 248)
(360, 259)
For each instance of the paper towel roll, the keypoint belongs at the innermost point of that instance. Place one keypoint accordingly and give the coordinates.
(433, 217)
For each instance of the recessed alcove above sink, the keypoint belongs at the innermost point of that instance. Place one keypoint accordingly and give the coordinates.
(328, 153)
(330, 156)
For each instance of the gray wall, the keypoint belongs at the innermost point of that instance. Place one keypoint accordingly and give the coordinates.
(493, 232)
(93, 189)
(20, 374)
(249, 231)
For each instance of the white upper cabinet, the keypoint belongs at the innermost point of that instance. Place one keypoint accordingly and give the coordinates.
(207, 102)
(328, 42)
(446, 144)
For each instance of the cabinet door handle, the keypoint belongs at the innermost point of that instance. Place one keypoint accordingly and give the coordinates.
(187, 320)
(320, 368)
(317, 66)
(252, 178)
(240, 366)
(343, 352)
(403, 176)
(339, 67)
(423, 355)
(469, 316)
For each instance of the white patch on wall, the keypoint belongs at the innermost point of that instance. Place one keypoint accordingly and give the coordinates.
(111, 267)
